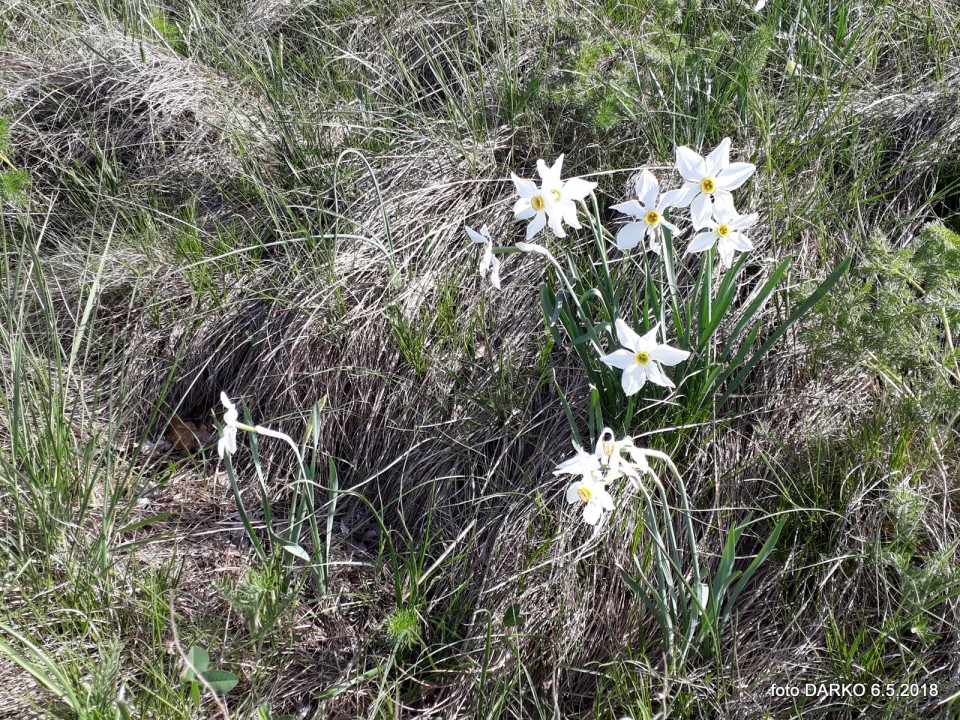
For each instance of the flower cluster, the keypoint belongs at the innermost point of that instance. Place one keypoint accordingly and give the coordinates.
(707, 191)
(708, 185)
(611, 460)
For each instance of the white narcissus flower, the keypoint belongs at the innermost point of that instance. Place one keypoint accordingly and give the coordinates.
(595, 497)
(228, 441)
(554, 202)
(726, 230)
(609, 451)
(583, 464)
(640, 358)
(488, 261)
(793, 67)
(649, 207)
(709, 181)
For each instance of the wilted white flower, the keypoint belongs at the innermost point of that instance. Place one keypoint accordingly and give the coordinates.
(793, 67)
(553, 202)
(726, 230)
(640, 358)
(709, 181)
(649, 207)
(228, 441)
(595, 497)
(488, 261)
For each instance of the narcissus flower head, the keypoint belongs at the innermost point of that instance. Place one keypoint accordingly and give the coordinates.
(553, 203)
(649, 208)
(641, 357)
(726, 231)
(710, 181)
(489, 263)
(228, 441)
(594, 497)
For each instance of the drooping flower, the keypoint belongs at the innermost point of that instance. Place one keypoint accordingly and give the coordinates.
(489, 263)
(649, 207)
(228, 441)
(595, 497)
(726, 231)
(553, 203)
(710, 181)
(610, 453)
(640, 358)
(793, 67)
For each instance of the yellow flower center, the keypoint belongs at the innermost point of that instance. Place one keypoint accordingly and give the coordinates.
(652, 217)
(641, 358)
(538, 203)
(708, 185)
(556, 195)
(584, 493)
(723, 230)
(609, 448)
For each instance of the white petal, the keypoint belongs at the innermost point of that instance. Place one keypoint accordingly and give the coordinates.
(557, 168)
(577, 188)
(568, 213)
(536, 225)
(619, 359)
(657, 376)
(631, 235)
(723, 208)
(556, 224)
(735, 175)
(703, 241)
(523, 210)
(605, 437)
(228, 441)
(719, 158)
(583, 463)
(603, 499)
(485, 260)
(680, 197)
(633, 379)
(572, 496)
(740, 241)
(670, 226)
(525, 188)
(726, 251)
(592, 513)
(743, 221)
(474, 235)
(627, 337)
(700, 211)
(648, 340)
(684, 196)
(668, 355)
(647, 189)
(630, 207)
(543, 170)
(691, 166)
(495, 272)
(654, 242)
